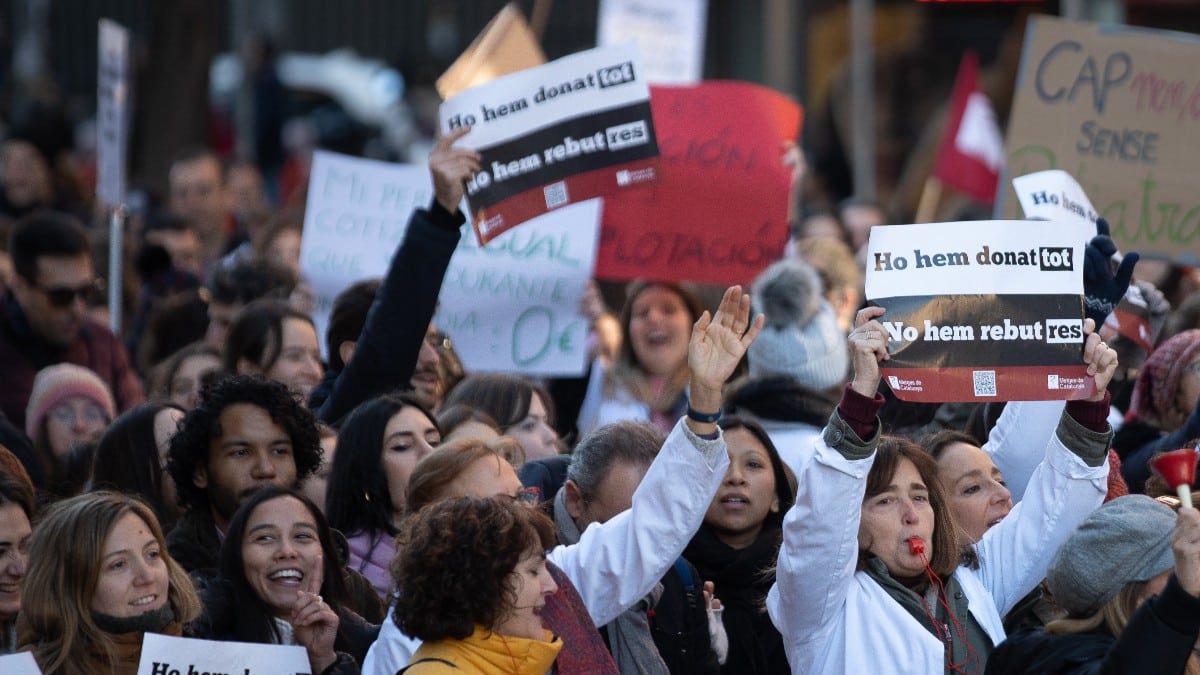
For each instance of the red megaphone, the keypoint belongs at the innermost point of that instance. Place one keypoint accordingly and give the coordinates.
(1178, 469)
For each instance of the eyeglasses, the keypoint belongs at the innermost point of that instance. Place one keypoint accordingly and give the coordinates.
(64, 413)
(62, 297)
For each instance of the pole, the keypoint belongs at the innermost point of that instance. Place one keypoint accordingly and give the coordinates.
(862, 97)
(116, 235)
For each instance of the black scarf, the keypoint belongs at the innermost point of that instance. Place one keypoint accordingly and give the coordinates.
(741, 578)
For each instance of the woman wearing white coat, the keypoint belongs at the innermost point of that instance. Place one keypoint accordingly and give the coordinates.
(871, 577)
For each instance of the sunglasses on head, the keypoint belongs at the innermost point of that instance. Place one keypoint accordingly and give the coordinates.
(61, 297)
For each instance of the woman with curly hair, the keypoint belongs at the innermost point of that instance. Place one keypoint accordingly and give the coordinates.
(473, 578)
(99, 578)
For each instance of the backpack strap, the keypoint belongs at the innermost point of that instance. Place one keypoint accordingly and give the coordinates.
(427, 660)
(685, 574)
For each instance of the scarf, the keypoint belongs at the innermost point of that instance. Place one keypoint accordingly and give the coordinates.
(629, 637)
(741, 579)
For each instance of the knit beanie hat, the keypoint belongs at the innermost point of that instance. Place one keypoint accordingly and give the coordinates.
(1158, 381)
(1123, 541)
(801, 338)
(54, 384)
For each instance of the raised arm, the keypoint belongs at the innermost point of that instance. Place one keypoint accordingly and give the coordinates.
(388, 347)
(617, 562)
(819, 554)
(1067, 485)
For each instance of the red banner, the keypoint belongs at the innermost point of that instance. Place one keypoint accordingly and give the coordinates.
(718, 213)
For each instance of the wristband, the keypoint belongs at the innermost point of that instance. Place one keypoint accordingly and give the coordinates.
(704, 418)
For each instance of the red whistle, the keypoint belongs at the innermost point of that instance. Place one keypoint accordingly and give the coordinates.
(1178, 469)
(915, 545)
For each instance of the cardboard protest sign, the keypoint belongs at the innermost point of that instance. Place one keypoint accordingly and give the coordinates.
(573, 129)
(506, 45)
(669, 35)
(513, 305)
(21, 663)
(166, 655)
(355, 217)
(1119, 109)
(1054, 195)
(500, 304)
(981, 311)
(718, 214)
(112, 111)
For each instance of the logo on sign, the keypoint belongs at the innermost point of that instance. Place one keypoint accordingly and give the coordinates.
(614, 75)
(626, 135)
(1063, 331)
(1055, 259)
(1052, 381)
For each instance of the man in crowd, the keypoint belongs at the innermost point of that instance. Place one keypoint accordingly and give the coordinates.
(45, 321)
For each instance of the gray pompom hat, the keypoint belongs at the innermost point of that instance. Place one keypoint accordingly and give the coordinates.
(801, 338)
(1123, 541)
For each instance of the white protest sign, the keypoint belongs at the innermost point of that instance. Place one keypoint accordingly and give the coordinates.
(564, 132)
(513, 306)
(976, 311)
(21, 663)
(669, 35)
(166, 655)
(356, 216)
(1055, 195)
(112, 111)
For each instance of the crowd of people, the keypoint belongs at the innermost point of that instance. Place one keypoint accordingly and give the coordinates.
(738, 491)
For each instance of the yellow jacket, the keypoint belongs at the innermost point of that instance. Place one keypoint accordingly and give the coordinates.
(486, 652)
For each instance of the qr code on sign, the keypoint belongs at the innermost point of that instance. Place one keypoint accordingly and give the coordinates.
(556, 194)
(985, 382)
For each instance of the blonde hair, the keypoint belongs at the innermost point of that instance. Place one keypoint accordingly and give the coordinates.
(1114, 615)
(65, 553)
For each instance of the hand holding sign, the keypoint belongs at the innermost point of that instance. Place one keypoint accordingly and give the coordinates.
(315, 623)
(868, 346)
(451, 168)
(1101, 359)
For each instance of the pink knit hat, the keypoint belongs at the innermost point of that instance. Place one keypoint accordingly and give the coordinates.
(55, 384)
(1158, 382)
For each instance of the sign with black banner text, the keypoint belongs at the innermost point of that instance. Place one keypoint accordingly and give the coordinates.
(168, 655)
(981, 311)
(570, 130)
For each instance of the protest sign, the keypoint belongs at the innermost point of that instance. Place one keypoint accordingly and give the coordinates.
(166, 655)
(355, 217)
(1011, 328)
(1054, 195)
(669, 35)
(495, 299)
(718, 214)
(112, 111)
(573, 129)
(21, 663)
(506, 45)
(1118, 108)
(513, 305)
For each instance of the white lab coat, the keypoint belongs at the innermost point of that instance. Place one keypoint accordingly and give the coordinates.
(617, 563)
(835, 619)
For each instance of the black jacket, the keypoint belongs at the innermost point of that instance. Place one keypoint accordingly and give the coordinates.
(679, 623)
(387, 349)
(1158, 639)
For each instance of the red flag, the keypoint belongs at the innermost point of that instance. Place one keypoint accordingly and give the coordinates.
(971, 153)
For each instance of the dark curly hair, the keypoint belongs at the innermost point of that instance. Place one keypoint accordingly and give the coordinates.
(454, 569)
(190, 445)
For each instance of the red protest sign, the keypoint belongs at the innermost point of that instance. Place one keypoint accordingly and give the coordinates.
(718, 213)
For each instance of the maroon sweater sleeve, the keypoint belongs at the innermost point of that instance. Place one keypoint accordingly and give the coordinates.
(859, 412)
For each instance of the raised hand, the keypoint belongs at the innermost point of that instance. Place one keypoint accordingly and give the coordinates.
(1101, 359)
(717, 345)
(868, 346)
(451, 168)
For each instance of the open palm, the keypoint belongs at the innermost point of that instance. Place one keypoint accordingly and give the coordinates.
(719, 341)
